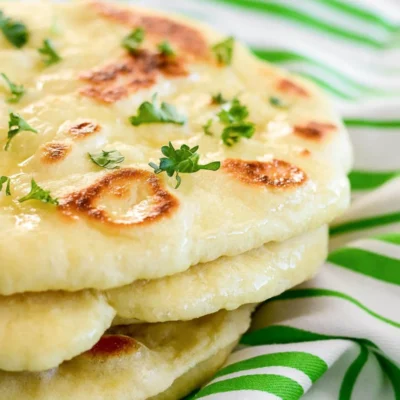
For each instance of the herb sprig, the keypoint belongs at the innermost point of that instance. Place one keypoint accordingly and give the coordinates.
(107, 159)
(149, 113)
(49, 53)
(7, 180)
(223, 51)
(14, 31)
(16, 124)
(17, 91)
(218, 99)
(183, 160)
(133, 41)
(166, 49)
(38, 193)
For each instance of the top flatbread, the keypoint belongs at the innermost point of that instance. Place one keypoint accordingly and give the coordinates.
(114, 227)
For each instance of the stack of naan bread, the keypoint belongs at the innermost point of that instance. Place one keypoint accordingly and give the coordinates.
(130, 288)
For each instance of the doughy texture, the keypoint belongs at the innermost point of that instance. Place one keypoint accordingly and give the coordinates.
(134, 362)
(226, 283)
(114, 227)
(41, 330)
(72, 322)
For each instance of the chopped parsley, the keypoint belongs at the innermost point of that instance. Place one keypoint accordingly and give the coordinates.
(166, 49)
(218, 99)
(236, 126)
(184, 160)
(49, 53)
(107, 159)
(37, 193)
(223, 51)
(133, 41)
(277, 102)
(3, 180)
(232, 133)
(207, 126)
(236, 113)
(149, 113)
(16, 124)
(14, 31)
(17, 91)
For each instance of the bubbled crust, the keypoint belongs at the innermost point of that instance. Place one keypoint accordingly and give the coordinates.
(53, 152)
(314, 130)
(83, 129)
(159, 203)
(274, 174)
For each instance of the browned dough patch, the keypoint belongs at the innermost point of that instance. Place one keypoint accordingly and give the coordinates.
(53, 152)
(185, 37)
(113, 345)
(289, 87)
(157, 202)
(314, 130)
(274, 174)
(83, 129)
(116, 80)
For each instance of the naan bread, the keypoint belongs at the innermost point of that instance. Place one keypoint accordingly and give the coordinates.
(137, 362)
(40, 330)
(73, 322)
(114, 227)
(226, 283)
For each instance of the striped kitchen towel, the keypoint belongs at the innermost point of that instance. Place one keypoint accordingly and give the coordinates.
(337, 336)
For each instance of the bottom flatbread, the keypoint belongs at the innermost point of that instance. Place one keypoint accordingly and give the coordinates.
(73, 322)
(137, 362)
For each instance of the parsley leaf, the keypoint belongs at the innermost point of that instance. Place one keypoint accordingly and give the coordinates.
(49, 53)
(236, 113)
(16, 124)
(232, 133)
(37, 193)
(151, 113)
(207, 126)
(14, 31)
(17, 91)
(277, 102)
(3, 180)
(218, 99)
(166, 49)
(223, 51)
(107, 159)
(133, 41)
(183, 160)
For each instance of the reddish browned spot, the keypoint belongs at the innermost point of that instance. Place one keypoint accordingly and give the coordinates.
(185, 37)
(113, 345)
(275, 173)
(117, 80)
(84, 129)
(313, 130)
(53, 152)
(305, 152)
(159, 202)
(287, 86)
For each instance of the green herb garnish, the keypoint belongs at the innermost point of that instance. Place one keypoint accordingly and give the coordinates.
(49, 53)
(223, 51)
(3, 180)
(107, 159)
(14, 31)
(166, 49)
(17, 91)
(16, 124)
(277, 102)
(232, 133)
(149, 113)
(133, 41)
(184, 160)
(207, 126)
(218, 99)
(236, 113)
(37, 193)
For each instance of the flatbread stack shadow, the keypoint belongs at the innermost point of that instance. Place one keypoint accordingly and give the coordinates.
(123, 276)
